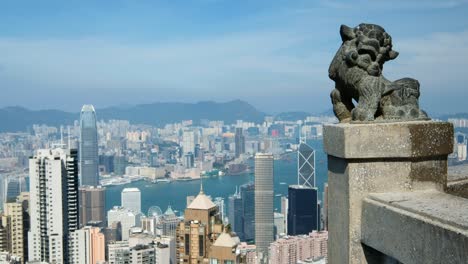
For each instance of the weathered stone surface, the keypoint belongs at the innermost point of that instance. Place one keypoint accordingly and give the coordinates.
(378, 158)
(417, 227)
(416, 139)
(357, 72)
(457, 180)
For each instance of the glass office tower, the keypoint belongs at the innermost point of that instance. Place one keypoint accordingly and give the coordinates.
(89, 160)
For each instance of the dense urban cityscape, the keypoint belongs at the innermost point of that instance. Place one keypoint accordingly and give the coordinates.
(233, 132)
(116, 152)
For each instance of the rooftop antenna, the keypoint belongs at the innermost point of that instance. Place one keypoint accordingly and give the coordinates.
(201, 178)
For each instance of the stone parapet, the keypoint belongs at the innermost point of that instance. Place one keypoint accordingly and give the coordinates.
(378, 158)
(416, 139)
(417, 227)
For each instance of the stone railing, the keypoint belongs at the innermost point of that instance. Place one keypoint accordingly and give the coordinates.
(389, 197)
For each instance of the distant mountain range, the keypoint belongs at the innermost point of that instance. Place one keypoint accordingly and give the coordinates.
(13, 119)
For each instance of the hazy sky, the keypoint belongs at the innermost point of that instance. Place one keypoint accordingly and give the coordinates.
(273, 54)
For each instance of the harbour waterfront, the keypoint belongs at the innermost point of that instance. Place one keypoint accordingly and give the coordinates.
(175, 193)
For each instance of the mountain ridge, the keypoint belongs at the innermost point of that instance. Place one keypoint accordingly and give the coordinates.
(17, 118)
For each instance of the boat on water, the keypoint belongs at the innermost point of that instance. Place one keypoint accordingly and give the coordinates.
(115, 181)
(162, 181)
(278, 195)
(282, 183)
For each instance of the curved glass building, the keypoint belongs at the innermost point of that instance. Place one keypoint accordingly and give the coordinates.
(88, 147)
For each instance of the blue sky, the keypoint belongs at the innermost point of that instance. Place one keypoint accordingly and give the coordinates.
(273, 54)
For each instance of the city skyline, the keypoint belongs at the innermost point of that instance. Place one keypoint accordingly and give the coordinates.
(217, 131)
(269, 53)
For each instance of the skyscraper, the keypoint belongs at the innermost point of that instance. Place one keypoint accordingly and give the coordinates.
(264, 226)
(189, 140)
(303, 212)
(15, 225)
(303, 209)
(92, 206)
(247, 192)
(239, 141)
(131, 199)
(53, 204)
(235, 212)
(199, 230)
(305, 164)
(169, 222)
(89, 160)
(89, 246)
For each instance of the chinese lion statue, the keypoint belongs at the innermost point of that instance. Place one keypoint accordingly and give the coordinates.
(357, 72)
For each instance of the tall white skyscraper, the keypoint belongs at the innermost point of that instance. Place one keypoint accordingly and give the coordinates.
(53, 204)
(89, 160)
(264, 219)
(131, 199)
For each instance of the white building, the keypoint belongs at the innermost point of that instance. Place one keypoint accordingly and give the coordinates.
(88, 246)
(53, 204)
(131, 199)
(165, 249)
(121, 252)
(279, 225)
(127, 219)
(189, 140)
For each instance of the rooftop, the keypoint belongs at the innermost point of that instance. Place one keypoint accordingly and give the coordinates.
(201, 202)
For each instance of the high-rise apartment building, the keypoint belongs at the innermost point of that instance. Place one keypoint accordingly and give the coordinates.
(53, 204)
(165, 249)
(189, 140)
(293, 249)
(15, 222)
(131, 199)
(122, 252)
(92, 206)
(89, 160)
(239, 140)
(264, 226)
(88, 246)
(303, 211)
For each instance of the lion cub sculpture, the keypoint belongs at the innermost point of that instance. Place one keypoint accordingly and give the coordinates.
(357, 72)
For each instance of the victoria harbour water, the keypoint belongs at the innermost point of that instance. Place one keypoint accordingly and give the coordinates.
(175, 193)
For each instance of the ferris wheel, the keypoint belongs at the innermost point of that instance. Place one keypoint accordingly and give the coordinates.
(155, 211)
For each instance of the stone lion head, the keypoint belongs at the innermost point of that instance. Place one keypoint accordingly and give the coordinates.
(368, 47)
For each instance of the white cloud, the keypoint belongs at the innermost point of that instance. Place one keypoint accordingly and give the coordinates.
(436, 59)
